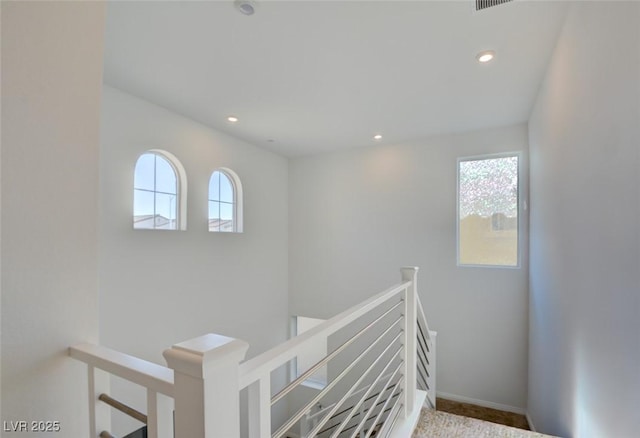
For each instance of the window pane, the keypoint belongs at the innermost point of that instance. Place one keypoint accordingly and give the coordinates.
(214, 216)
(226, 217)
(165, 212)
(142, 209)
(226, 211)
(488, 211)
(166, 180)
(226, 189)
(143, 178)
(214, 187)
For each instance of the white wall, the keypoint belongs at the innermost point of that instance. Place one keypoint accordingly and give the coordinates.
(51, 85)
(357, 216)
(585, 284)
(162, 287)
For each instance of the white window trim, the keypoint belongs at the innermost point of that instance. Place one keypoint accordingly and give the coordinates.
(521, 202)
(181, 189)
(237, 198)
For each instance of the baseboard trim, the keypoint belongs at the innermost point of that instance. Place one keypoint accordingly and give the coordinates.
(483, 403)
(530, 421)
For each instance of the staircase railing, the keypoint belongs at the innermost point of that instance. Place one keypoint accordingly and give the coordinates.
(158, 380)
(381, 371)
(426, 357)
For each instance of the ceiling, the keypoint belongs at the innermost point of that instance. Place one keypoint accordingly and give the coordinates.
(305, 77)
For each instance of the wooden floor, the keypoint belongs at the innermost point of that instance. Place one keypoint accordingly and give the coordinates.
(481, 413)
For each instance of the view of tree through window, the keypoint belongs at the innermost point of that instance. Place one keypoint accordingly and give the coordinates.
(488, 211)
(155, 193)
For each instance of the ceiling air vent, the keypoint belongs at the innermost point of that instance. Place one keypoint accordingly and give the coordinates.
(484, 4)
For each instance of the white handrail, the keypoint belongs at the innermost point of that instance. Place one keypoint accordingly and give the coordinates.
(200, 388)
(301, 378)
(144, 373)
(253, 369)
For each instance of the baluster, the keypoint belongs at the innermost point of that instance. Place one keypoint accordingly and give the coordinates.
(410, 338)
(159, 415)
(432, 369)
(260, 407)
(99, 413)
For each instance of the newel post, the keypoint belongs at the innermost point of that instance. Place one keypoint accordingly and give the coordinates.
(207, 403)
(410, 338)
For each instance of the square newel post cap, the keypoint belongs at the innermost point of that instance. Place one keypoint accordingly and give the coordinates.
(409, 273)
(199, 356)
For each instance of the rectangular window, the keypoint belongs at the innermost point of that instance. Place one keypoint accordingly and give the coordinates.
(488, 211)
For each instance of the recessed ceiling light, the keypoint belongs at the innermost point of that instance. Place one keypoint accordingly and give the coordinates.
(232, 119)
(245, 6)
(377, 137)
(485, 56)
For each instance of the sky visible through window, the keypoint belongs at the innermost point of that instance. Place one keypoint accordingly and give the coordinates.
(221, 203)
(155, 193)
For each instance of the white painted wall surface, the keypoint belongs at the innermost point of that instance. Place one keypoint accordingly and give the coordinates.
(158, 288)
(51, 85)
(585, 266)
(357, 216)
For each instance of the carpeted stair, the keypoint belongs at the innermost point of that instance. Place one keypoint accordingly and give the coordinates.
(438, 424)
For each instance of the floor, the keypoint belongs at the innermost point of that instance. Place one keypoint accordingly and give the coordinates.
(481, 413)
(439, 424)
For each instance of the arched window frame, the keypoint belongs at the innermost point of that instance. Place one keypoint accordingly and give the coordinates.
(236, 186)
(181, 189)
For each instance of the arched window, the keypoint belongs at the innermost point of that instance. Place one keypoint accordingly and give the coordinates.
(225, 202)
(157, 192)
